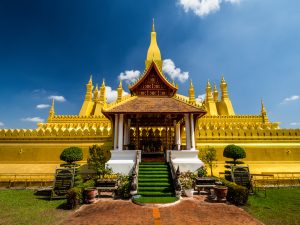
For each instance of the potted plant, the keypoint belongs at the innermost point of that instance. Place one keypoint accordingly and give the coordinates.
(90, 192)
(220, 192)
(187, 182)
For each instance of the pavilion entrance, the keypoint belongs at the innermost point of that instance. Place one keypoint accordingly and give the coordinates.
(153, 133)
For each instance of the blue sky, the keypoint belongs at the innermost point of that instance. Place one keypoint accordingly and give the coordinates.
(49, 48)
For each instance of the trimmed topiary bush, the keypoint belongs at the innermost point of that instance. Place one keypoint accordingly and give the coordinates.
(234, 152)
(236, 194)
(71, 154)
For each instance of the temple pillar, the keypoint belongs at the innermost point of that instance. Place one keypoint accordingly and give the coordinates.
(178, 135)
(116, 132)
(120, 135)
(128, 131)
(125, 133)
(187, 131)
(193, 147)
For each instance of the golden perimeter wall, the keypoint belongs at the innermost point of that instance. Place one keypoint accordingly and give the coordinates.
(35, 151)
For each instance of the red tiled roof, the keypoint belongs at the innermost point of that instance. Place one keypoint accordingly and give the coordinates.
(154, 105)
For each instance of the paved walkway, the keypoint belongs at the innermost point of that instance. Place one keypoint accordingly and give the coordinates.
(188, 211)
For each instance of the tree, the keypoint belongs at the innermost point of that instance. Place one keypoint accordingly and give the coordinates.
(208, 156)
(71, 154)
(234, 152)
(97, 159)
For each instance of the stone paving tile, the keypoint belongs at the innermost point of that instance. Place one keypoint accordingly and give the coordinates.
(188, 211)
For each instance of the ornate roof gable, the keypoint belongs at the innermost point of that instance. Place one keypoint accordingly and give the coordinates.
(153, 83)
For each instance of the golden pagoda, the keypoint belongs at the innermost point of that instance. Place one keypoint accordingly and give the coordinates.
(153, 118)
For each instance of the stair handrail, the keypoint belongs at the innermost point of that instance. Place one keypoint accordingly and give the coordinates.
(135, 174)
(175, 176)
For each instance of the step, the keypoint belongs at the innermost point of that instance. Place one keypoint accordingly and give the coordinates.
(152, 184)
(155, 189)
(153, 169)
(153, 172)
(153, 166)
(153, 180)
(155, 194)
(154, 176)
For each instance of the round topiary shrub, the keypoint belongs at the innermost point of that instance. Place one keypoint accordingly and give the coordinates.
(71, 154)
(234, 152)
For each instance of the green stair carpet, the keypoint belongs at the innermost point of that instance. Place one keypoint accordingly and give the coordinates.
(155, 183)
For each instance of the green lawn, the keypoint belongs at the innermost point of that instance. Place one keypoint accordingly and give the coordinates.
(280, 207)
(23, 207)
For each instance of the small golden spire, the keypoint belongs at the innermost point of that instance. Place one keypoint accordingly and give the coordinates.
(91, 78)
(103, 93)
(209, 97)
(216, 93)
(191, 83)
(120, 92)
(263, 109)
(264, 116)
(223, 79)
(120, 84)
(153, 28)
(191, 93)
(96, 93)
(208, 84)
(52, 112)
(223, 87)
(89, 89)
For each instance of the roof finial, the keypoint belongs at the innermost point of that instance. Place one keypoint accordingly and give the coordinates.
(223, 79)
(263, 109)
(120, 84)
(103, 83)
(191, 83)
(52, 112)
(91, 78)
(153, 28)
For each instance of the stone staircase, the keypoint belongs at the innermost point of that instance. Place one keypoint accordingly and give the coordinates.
(154, 181)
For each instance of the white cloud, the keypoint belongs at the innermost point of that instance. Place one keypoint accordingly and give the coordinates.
(203, 7)
(290, 99)
(33, 119)
(200, 98)
(112, 95)
(129, 75)
(42, 106)
(1, 124)
(57, 98)
(175, 73)
(295, 124)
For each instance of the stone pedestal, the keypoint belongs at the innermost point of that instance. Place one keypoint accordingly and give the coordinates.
(186, 160)
(123, 161)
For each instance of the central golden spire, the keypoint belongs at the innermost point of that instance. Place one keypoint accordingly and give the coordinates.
(153, 53)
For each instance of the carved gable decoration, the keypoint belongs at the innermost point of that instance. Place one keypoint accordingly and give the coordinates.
(153, 83)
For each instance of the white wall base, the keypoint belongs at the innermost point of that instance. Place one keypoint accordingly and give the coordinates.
(185, 159)
(123, 161)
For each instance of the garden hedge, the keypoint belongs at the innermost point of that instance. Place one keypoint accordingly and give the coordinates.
(236, 194)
